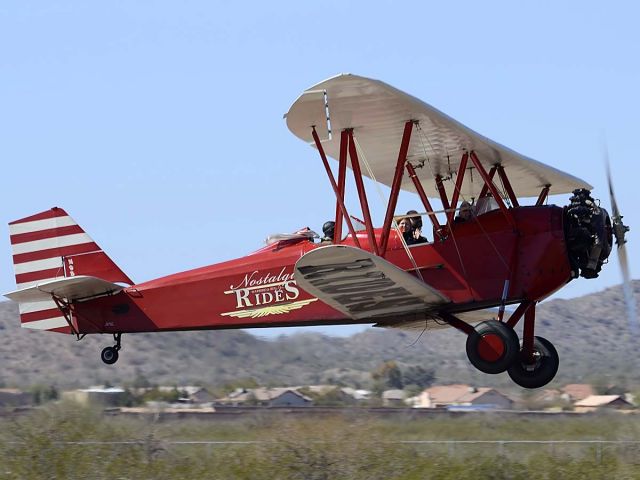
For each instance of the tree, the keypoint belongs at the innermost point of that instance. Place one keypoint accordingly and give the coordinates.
(418, 375)
(140, 381)
(388, 374)
(42, 394)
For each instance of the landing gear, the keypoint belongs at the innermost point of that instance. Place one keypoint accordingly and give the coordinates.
(109, 355)
(492, 347)
(540, 370)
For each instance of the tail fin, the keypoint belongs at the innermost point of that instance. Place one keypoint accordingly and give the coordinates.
(48, 246)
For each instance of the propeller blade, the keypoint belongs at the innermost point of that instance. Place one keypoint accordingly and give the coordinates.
(614, 206)
(619, 231)
(627, 288)
(619, 228)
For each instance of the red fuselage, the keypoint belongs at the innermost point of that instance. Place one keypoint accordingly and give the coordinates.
(470, 266)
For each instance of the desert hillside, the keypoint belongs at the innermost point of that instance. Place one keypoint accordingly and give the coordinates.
(590, 333)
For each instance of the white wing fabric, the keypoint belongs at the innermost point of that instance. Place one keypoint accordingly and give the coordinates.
(377, 113)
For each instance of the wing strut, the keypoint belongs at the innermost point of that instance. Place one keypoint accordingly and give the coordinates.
(543, 195)
(507, 186)
(458, 186)
(395, 186)
(442, 192)
(423, 196)
(485, 187)
(342, 177)
(494, 191)
(362, 194)
(336, 191)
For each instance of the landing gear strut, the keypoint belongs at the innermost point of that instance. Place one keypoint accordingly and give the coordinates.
(538, 371)
(110, 355)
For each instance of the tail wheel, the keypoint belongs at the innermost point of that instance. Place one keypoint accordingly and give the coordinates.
(492, 347)
(541, 371)
(109, 355)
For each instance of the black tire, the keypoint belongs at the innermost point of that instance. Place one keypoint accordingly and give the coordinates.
(542, 371)
(109, 355)
(493, 347)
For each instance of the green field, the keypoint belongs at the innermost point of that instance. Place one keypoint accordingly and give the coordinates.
(65, 441)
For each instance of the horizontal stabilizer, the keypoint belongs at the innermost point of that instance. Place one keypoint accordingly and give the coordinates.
(362, 285)
(72, 288)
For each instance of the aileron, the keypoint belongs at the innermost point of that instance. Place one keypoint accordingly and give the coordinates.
(363, 285)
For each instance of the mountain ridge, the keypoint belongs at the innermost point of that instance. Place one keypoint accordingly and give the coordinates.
(590, 333)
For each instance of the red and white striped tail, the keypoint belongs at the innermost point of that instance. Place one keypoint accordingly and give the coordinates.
(48, 246)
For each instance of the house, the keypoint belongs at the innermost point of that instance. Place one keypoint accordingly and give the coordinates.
(266, 397)
(460, 395)
(393, 398)
(575, 392)
(595, 402)
(185, 394)
(103, 396)
(12, 397)
(543, 399)
(195, 394)
(345, 395)
(440, 395)
(357, 394)
(546, 396)
(485, 397)
(327, 395)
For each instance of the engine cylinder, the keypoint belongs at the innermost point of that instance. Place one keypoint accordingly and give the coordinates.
(588, 233)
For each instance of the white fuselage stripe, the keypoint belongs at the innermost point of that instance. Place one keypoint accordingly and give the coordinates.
(48, 243)
(36, 265)
(47, 324)
(38, 306)
(39, 225)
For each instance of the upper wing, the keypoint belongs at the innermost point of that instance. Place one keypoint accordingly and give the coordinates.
(362, 285)
(377, 112)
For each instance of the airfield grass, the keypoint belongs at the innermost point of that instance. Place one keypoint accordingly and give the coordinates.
(40, 445)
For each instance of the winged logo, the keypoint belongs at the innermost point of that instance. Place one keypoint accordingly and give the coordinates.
(271, 310)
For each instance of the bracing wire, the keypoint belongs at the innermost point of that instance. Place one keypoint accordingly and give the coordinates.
(413, 344)
(422, 137)
(423, 134)
(504, 194)
(394, 225)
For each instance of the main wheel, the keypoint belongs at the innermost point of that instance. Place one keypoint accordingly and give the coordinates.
(541, 371)
(109, 355)
(492, 347)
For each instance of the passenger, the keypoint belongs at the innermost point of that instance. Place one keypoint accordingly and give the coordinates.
(328, 229)
(406, 228)
(464, 214)
(416, 224)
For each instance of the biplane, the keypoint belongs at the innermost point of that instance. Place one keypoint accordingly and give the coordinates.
(504, 253)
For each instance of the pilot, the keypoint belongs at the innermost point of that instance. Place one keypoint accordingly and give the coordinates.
(328, 230)
(464, 214)
(416, 228)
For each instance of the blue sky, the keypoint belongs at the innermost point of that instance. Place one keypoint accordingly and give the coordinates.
(158, 125)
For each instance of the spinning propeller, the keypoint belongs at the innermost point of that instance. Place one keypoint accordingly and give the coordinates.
(619, 232)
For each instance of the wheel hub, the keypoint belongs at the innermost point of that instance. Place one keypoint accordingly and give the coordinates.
(491, 347)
